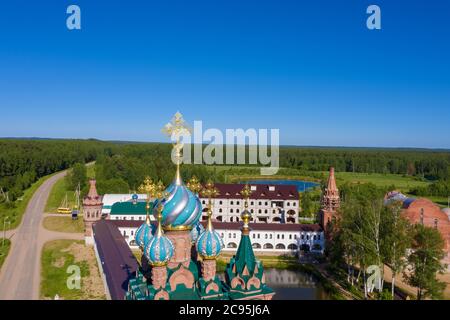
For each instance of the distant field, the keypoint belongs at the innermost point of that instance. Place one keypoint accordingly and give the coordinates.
(64, 224)
(4, 250)
(57, 256)
(59, 191)
(401, 182)
(404, 183)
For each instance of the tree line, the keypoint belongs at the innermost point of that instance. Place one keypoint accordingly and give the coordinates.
(22, 162)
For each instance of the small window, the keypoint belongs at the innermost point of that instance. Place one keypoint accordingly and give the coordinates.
(220, 202)
(251, 203)
(237, 202)
(231, 202)
(220, 210)
(436, 223)
(231, 210)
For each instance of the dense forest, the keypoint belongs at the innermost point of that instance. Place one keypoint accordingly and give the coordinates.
(22, 162)
(428, 164)
(122, 166)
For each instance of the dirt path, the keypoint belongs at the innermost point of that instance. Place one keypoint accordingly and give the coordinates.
(20, 275)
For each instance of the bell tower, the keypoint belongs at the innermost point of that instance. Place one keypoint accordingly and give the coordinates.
(92, 211)
(330, 201)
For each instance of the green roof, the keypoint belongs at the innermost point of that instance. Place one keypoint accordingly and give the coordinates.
(129, 207)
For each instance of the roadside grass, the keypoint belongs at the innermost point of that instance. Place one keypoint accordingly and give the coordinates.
(57, 257)
(4, 250)
(64, 224)
(14, 213)
(60, 189)
(57, 194)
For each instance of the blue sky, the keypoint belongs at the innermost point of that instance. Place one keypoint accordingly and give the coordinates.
(310, 68)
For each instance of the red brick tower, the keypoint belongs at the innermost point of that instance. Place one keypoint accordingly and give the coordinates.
(330, 201)
(92, 211)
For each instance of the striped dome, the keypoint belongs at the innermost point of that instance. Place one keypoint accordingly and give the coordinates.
(209, 244)
(159, 250)
(182, 209)
(144, 234)
(196, 231)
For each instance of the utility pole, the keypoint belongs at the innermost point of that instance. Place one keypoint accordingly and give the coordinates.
(4, 230)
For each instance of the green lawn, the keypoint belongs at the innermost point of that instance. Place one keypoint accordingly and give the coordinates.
(4, 250)
(57, 257)
(64, 224)
(59, 191)
(16, 212)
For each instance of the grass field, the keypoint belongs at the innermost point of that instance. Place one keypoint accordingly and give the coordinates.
(4, 250)
(404, 183)
(64, 224)
(14, 214)
(59, 191)
(401, 182)
(57, 257)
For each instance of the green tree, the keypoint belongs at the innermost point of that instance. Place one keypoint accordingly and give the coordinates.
(425, 262)
(78, 175)
(397, 241)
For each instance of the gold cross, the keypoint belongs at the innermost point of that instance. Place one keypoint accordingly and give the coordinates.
(194, 185)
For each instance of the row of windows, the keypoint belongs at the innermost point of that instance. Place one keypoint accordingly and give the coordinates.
(252, 203)
(269, 236)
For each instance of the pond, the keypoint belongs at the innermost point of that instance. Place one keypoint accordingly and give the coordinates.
(302, 186)
(293, 285)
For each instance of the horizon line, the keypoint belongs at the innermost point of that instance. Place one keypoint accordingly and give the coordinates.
(447, 149)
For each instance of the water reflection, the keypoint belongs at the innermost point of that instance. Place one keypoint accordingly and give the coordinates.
(294, 285)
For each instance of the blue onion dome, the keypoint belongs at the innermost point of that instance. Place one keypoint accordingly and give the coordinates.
(144, 234)
(196, 231)
(209, 243)
(182, 208)
(159, 250)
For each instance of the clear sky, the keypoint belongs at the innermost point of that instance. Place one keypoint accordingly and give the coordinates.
(310, 68)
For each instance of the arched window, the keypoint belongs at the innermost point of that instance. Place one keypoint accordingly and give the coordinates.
(231, 210)
(280, 246)
(256, 246)
(292, 246)
(232, 245)
(268, 246)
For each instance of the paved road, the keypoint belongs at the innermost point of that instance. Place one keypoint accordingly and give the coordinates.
(20, 275)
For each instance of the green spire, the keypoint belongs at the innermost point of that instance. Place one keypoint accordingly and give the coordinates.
(245, 256)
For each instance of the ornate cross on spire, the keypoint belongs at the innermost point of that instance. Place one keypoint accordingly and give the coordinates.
(246, 192)
(148, 187)
(194, 185)
(175, 130)
(160, 194)
(210, 192)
